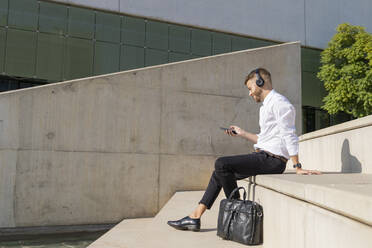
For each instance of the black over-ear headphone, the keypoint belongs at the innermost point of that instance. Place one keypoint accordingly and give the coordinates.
(259, 81)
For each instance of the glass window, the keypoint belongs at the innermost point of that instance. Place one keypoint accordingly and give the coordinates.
(179, 38)
(157, 35)
(195, 56)
(3, 12)
(221, 43)
(107, 27)
(20, 53)
(243, 43)
(132, 57)
(2, 49)
(23, 14)
(81, 22)
(310, 59)
(155, 57)
(313, 90)
(340, 117)
(4, 85)
(133, 31)
(240, 43)
(25, 85)
(106, 58)
(79, 58)
(321, 119)
(254, 43)
(201, 42)
(53, 18)
(174, 57)
(13, 85)
(308, 119)
(49, 57)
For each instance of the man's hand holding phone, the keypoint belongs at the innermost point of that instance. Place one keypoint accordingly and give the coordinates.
(233, 130)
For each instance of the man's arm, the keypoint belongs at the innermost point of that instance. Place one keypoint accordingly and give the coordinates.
(242, 133)
(285, 114)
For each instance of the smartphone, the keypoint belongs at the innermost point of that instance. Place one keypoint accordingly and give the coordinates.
(225, 129)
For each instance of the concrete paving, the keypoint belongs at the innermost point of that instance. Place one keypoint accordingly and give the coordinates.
(123, 234)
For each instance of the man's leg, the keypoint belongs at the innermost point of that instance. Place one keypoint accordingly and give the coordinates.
(212, 191)
(192, 221)
(227, 168)
(224, 176)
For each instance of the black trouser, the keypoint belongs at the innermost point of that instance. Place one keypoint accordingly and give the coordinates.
(232, 168)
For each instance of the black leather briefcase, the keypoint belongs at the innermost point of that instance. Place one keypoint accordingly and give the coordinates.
(240, 220)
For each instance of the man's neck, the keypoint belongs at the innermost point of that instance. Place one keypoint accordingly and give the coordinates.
(265, 93)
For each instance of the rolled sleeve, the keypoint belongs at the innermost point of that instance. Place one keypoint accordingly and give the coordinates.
(285, 114)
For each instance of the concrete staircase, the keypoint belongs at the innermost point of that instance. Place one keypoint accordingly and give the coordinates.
(330, 210)
(154, 232)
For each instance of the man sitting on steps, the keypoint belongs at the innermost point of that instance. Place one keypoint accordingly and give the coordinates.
(274, 145)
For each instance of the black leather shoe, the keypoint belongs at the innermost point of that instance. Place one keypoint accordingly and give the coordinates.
(186, 223)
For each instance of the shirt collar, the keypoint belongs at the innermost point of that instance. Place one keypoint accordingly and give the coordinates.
(268, 97)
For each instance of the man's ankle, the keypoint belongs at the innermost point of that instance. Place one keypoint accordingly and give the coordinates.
(192, 216)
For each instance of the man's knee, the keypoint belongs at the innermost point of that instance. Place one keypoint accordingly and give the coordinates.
(220, 164)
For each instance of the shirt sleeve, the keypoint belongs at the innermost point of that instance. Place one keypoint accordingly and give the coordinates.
(285, 114)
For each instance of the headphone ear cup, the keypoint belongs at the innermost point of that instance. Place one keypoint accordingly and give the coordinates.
(260, 82)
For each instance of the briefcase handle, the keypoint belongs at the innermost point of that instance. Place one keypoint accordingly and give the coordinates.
(237, 189)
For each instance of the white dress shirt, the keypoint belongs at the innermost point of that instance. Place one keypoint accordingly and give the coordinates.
(277, 126)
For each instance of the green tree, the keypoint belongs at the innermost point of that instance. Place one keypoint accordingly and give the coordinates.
(346, 71)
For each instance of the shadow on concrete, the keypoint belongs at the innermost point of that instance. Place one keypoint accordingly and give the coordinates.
(350, 164)
(208, 230)
(323, 172)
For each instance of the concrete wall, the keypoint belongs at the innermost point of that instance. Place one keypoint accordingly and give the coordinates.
(342, 148)
(313, 22)
(97, 150)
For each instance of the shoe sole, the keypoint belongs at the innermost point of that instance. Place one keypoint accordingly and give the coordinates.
(187, 227)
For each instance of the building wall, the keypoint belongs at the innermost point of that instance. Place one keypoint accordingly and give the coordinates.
(313, 22)
(100, 149)
(55, 42)
(43, 42)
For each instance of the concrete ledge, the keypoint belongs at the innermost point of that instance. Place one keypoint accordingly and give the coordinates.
(291, 222)
(343, 127)
(346, 194)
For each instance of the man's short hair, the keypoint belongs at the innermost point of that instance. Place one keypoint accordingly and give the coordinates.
(265, 74)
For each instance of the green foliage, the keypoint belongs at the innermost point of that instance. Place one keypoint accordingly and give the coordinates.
(346, 71)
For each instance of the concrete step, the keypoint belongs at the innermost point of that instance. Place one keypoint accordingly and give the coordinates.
(123, 234)
(325, 211)
(181, 204)
(156, 233)
(330, 210)
(346, 194)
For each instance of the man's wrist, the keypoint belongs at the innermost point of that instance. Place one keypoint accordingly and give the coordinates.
(297, 165)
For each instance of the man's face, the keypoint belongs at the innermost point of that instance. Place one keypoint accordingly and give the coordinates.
(254, 90)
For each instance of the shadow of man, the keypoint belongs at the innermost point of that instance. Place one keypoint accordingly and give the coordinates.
(350, 164)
